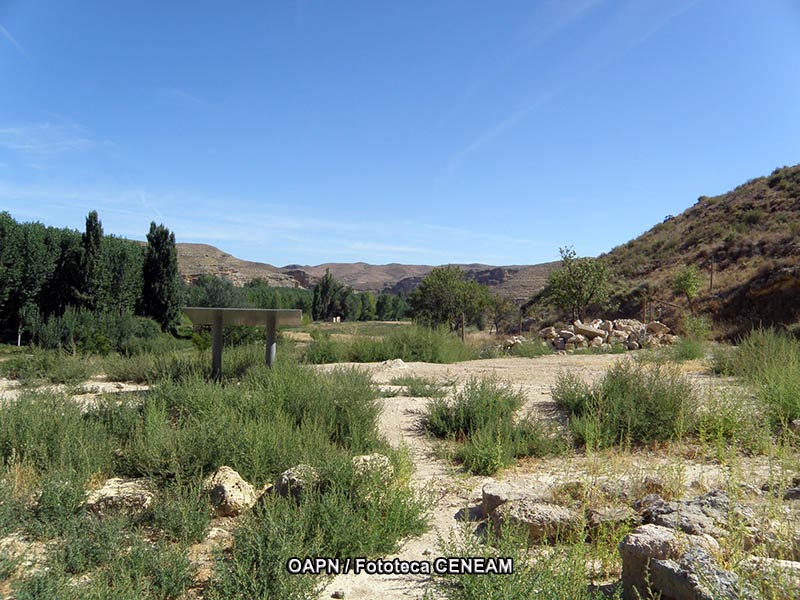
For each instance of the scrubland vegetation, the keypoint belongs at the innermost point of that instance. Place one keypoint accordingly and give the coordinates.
(260, 422)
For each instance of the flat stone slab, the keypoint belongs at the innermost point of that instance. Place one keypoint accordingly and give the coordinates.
(256, 317)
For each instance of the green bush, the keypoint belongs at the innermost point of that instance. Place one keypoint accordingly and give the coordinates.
(98, 333)
(482, 417)
(770, 362)
(47, 366)
(631, 403)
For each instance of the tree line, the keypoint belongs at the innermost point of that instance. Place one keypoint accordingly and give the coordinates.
(46, 270)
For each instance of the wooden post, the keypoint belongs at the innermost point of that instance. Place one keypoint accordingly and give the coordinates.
(271, 340)
(216, 347)
(463, 333)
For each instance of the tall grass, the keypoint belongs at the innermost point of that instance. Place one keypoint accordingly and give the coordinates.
(770, 362)
(631, 403)
(409, 343)
(482, 418)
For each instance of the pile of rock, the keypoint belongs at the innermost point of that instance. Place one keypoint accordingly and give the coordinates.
(671, 552)
(628, 333)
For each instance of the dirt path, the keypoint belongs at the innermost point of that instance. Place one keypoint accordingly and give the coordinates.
(452, 489)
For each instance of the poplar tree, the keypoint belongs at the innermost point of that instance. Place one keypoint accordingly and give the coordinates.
(161, 293)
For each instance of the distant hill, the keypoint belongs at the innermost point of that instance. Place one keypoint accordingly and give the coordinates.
(749, 238)
(195, 260)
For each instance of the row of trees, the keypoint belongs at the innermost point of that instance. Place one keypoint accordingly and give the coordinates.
(329, 298)
(45, 270)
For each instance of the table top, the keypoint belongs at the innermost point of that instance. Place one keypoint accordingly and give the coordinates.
(244, 316)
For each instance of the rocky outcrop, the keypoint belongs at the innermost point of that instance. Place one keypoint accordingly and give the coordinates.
(495, 493)
(706, 514)
(230, 494)
(130, 497)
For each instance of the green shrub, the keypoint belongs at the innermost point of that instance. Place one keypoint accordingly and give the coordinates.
(631, 403)
(336, 523)
(47, 366)
(50, 432)
(482, 417)
(770, 362)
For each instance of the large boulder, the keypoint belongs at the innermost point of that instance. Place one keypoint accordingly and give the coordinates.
(549, 333)
(649, 543)
(544, 523)
(230, 494)
(657, 328)
(629, 325)
(496, 493)
(118, 496)
(590, 332)
(696, 576)
(297, 481)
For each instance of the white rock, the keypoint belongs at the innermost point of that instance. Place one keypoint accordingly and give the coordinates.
(230, 494)
(130, 497)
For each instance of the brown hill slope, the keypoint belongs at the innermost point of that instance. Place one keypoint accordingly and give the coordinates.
(749, 238)
(196, 260)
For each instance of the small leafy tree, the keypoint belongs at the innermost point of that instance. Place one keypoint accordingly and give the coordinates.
(212, 291)
(329, 297)
(446, 296)
(501, 311)
(687, 283)
(580, 282)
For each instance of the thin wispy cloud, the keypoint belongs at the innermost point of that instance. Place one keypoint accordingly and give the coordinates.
(44, 138)
(269, 235)
(495, 130)
(180, 97)
(6, 35)
(632, 26)
(543, 25)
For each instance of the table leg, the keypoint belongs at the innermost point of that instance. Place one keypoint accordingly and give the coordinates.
(216, 347)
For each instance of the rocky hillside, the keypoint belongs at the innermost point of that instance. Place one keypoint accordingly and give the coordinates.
(195, 260)
(747, 240)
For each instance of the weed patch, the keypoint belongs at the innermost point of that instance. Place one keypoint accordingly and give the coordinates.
(631, 403)
(482, 417)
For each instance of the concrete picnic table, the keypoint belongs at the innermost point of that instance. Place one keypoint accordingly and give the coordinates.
(257, 317)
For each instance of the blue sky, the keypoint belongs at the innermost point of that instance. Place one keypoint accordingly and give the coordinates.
(414, 132)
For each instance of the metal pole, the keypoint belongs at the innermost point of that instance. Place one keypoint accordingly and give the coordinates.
(271, 343)
(216, 346)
